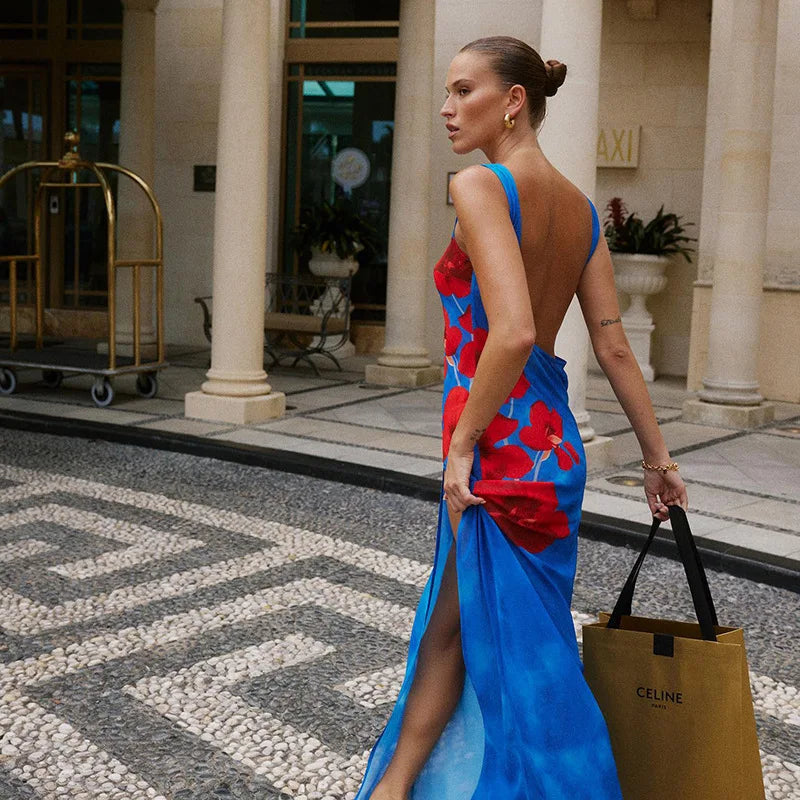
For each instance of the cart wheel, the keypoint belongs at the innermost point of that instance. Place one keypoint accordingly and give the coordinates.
(52, 378)
(8, 381)
(147, 384)
(102, 392)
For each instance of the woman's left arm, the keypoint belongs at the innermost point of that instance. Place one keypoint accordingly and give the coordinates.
(489, 238)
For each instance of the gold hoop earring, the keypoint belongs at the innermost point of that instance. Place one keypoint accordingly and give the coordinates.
(508, 121)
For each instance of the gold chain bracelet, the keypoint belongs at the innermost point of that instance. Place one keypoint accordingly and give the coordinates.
(672, 466)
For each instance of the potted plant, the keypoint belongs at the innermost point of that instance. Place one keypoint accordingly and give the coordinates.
(330, 235)
(662, 236)
(640, 252)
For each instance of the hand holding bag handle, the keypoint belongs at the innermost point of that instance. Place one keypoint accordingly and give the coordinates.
(692, 566)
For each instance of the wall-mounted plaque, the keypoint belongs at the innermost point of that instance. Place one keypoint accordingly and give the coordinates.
(205, 177)
(618, 146)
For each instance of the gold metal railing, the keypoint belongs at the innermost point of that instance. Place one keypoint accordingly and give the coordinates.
(67, 168)
(12, 293)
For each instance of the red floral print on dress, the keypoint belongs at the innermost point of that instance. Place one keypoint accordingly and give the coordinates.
(525, 511)
(452, 336)
(471, 352)
(545, 433)
(453, 272)
(521, 386)
(453, 406)
(507, 461)
(567, 456)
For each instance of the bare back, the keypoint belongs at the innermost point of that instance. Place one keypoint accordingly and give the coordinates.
(556, 239)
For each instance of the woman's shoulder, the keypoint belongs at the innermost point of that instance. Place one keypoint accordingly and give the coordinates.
(473, 177)
(475, 186)
(544, 189)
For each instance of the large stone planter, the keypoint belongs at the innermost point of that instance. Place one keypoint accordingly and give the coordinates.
(639, 276)
(329, 265)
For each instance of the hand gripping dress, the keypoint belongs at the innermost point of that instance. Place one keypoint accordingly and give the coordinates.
(527, 726)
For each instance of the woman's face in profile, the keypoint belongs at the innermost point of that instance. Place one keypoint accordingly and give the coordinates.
(475, 102)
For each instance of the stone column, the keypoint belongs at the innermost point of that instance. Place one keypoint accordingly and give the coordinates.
(135, 234)
(745, 32)
(236, 390)
(571, 33)
(404, 360)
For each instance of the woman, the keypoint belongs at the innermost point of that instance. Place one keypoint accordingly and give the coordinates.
(494, 705)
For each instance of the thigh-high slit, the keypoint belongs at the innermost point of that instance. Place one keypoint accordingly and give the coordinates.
(437, 684)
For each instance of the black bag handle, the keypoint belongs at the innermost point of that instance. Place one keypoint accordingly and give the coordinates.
(692, 566)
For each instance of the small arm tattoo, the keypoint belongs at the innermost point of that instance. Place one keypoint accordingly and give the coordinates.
(476, 434)
(604, 322)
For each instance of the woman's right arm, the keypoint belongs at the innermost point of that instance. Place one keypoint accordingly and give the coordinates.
(597, 295)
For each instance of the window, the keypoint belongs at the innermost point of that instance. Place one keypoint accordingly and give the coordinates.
(333, 107)
(344, 19)
(94, 19)
(60, 71)
(341, 66)
(23, 19)
(93, 93)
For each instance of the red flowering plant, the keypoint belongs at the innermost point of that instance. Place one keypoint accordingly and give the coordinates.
(663, 235)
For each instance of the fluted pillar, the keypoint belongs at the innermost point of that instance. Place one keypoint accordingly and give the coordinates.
(404, 359)
(136, 152)
(571, 32)
(237, 390)
(743, 39)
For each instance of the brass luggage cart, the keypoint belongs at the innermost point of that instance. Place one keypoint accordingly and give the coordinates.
(60, 361)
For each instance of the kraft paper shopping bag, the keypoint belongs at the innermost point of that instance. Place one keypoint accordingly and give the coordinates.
(675, 695)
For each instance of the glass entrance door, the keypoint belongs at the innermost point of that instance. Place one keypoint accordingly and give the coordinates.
(22, 138)
(332, 108)
(93, 107)
(59, 71)
(75, 248)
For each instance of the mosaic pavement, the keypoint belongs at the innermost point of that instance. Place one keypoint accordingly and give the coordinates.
(176, 628)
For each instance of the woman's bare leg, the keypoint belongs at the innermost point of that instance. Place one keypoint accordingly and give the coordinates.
(435, 690)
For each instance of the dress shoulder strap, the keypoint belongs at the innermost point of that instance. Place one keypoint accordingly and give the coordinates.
(595, 231)
(510, 187)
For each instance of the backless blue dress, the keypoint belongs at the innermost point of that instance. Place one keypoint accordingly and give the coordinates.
(527, 726)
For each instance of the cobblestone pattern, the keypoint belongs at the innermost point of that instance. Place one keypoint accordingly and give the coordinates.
(176, 628)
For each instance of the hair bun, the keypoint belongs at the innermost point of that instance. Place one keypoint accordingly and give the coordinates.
(556, 73)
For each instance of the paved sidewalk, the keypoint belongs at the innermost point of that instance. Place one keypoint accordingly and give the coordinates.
(744, 485)
(177, 627)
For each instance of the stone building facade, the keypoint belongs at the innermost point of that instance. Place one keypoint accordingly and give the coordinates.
(710, 87)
